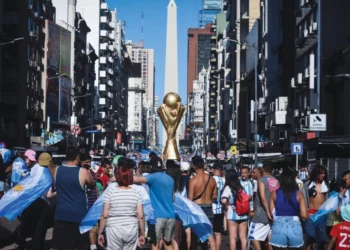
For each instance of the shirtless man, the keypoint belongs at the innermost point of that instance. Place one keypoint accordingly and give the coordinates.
(315, 192)
(202, 190)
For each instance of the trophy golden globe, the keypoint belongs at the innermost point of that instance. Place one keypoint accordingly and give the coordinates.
(170, 113)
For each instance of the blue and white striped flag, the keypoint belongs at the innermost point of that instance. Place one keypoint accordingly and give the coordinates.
(192, 216)
(94, 213)
(330, 205)
(25, 192)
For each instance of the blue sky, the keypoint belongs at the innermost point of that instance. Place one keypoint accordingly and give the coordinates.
(155, 14)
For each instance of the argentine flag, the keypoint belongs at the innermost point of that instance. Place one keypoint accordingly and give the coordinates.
(192, 216)
(330, 205)
(94, 213)
(25, 192)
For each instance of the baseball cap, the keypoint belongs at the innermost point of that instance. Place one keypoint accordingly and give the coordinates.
(218, 165)
(44, 159)
(31, 154)
(156, 163)
(185, 166)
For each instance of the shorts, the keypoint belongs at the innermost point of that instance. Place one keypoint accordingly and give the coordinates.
(66, 235)
(165, 229)
(218, 224)
(258, 231)
(287, 232)
(315, 233)
(208, 210)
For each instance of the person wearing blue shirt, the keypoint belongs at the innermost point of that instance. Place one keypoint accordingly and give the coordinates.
(161, 189)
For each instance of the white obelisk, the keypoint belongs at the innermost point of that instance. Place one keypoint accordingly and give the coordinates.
(171, 62)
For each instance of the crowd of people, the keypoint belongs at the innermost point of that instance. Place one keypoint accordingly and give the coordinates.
(252, 206)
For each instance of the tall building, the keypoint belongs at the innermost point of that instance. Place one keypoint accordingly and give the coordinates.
(198, 53)
(207, 14)
(171, 57)
(139, 54)
(22, 53)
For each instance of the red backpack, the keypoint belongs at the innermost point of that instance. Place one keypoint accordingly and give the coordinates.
(242, 203)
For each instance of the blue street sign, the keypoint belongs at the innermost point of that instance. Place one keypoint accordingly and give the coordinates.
(92, 131)
(297, 148)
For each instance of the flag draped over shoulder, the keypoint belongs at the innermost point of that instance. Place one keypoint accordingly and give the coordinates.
(25, 193)
(192, 216)
(330, 205)
(95, 211)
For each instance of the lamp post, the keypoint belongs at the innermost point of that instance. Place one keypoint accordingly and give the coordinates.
(255, 98)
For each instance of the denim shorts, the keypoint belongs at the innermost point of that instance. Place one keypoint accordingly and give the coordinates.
(287, 232)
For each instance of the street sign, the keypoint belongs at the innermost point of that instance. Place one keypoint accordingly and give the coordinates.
(76, 130)
(297, 148)
(233, 150)
(318, 122)
(92, 131)
(234, 133)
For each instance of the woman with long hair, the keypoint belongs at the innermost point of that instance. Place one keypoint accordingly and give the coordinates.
(287, 204)
(236, 223)
(122, 214)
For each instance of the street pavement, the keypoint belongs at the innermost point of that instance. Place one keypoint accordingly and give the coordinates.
(12, 246)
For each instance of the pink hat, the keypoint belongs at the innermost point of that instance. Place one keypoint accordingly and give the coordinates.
(31, 154)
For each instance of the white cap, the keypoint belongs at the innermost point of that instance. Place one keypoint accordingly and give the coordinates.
(185, 166)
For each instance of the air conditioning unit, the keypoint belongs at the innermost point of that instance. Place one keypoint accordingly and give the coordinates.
(306, 33)
(31, 33)
(307, 73)
(292, 83)
(314, 26)
(307, 121)
(36, 14)
(38, 68)
(30, 6)
(296, 113)
(300, 78)
(310, 29)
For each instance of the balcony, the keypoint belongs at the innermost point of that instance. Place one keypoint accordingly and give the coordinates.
(103, 60)
(110, 95)
(102, 87)
(112, 35)
(213, 38)
(104, 6)
(103, 46)
(110, 71)
(112, 25)
(110, 59)
(110, 83)
(213, 61)
(103, 19)
(103, 73)
(102, 101)
(111, 48)
(103, 33)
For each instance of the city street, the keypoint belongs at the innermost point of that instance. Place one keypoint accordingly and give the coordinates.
(12, 246)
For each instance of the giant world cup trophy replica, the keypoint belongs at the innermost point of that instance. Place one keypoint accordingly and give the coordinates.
(171, 112)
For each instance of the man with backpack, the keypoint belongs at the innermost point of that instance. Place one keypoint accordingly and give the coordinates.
(260, 226)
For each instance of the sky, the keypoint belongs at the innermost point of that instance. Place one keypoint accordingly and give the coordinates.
(155, 17)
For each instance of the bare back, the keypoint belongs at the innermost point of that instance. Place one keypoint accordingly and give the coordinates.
(197, 185)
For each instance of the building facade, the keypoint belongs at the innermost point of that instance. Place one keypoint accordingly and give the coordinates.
(198, 53)
(22, 51)
(207, 15)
